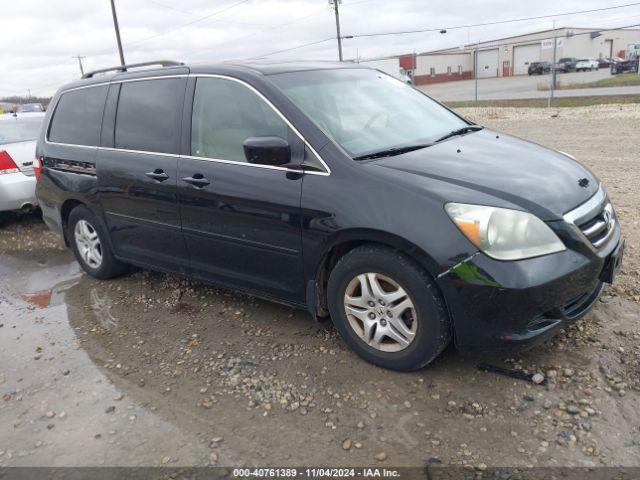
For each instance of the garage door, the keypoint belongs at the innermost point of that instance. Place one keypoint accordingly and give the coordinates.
(523, 55)
(488, 63)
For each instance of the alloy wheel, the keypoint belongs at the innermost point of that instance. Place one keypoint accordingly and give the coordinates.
(88, 243)
(380, 312)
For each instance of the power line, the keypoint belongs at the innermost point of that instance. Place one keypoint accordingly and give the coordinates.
(280, 25)
(188, 24)
(498, 22)
(496, 44)
(444, 50)
(206, 17)
(489, 44)
(169, 7)
(271, 28)
(293, 48)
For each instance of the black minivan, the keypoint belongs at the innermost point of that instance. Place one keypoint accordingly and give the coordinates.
(330, 187)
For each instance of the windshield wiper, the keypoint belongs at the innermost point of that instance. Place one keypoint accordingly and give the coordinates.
(390, 152)
(460, 131)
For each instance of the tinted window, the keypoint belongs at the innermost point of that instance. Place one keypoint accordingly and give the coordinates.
(20, 129)
(148, 116)
(78, 117)
(225, 114)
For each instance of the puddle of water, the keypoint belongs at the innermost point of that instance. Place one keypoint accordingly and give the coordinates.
(59, 408)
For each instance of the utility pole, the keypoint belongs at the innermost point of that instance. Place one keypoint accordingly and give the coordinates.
(29, 90)
(553, 65)
(476, 68)
(80, 58)
(115, 24)
(336, 9)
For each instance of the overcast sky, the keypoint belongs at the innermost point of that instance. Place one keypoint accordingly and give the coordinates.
(39, 37)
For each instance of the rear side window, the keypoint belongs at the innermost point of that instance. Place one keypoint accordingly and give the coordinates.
(78, 117)
(225, 114)
(148, 116)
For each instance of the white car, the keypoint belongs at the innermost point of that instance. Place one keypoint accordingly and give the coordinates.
(587, 64)
(18, 136)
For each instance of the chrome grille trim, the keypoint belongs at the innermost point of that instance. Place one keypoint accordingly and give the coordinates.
(594, 229)
(603, 240)
(582, 212)
(595, 219)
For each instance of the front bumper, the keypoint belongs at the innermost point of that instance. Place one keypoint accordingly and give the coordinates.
(17, 190)
(498, 305)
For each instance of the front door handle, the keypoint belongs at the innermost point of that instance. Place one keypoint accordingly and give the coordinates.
(198, 180)
(158, 174)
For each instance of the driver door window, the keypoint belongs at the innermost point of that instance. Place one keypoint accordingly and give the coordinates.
(225, 114)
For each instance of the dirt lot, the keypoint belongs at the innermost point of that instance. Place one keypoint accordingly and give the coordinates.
(150, 369)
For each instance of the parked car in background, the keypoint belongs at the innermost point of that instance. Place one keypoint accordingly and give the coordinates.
(18, 135)
(604, 62)
(587, 64)
(31, 107)
(567, 64)
(623, 66)
(539, 68)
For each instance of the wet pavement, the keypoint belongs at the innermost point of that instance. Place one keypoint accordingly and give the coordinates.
(65, 400)
(151, 370)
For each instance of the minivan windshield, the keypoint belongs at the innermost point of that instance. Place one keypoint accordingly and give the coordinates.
(19, 129)
(366, 111)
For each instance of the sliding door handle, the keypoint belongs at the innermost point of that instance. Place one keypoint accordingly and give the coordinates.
(158, 174)
(198, 180)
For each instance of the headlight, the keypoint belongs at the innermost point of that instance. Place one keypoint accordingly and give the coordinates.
(502, 233)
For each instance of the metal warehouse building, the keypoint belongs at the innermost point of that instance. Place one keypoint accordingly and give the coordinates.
(511, 55)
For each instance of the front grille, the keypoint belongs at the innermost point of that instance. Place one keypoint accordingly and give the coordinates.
(595, 219)
(598, 228)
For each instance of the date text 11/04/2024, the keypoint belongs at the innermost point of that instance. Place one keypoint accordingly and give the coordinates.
(316, 473)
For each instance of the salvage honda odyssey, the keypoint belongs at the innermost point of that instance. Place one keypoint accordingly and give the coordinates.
(334, 188)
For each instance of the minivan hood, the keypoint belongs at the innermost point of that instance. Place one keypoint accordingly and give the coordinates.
(540, 180)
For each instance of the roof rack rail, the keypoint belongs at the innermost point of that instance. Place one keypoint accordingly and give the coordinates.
(124, 68)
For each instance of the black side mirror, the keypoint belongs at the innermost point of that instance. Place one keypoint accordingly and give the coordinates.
(267, 150)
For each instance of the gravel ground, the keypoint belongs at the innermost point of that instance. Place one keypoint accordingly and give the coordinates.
(151, 369)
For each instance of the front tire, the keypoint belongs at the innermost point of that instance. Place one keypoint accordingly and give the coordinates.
(387, 308)
(90, 245)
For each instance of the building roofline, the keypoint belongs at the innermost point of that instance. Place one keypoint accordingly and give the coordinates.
(564, 29)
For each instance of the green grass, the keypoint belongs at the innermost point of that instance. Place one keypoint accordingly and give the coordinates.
(622, 80)
(561, 102)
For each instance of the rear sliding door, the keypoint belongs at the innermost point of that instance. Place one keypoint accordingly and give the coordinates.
(137, 171)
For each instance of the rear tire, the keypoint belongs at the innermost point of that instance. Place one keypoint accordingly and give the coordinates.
(406, 331)
(90, 244)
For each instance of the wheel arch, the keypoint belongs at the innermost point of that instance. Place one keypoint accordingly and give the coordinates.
(341, 244)
(68, 206)
(65, 210)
